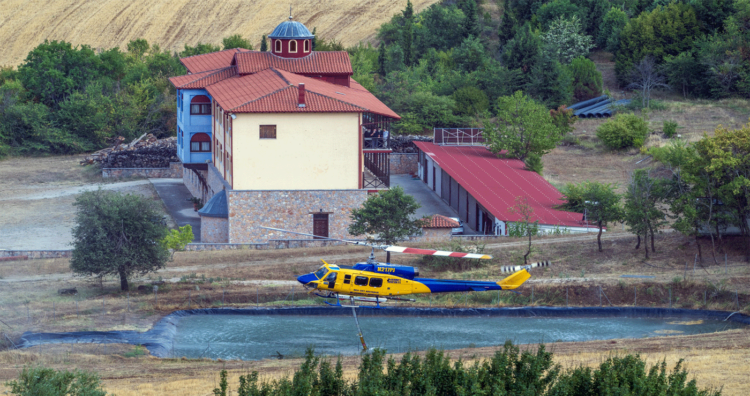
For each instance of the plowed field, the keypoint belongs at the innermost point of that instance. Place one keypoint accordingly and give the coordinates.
(173, 23)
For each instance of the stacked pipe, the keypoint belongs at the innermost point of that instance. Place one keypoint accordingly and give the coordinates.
(597, 107)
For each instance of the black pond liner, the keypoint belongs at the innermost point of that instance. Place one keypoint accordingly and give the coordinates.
(158, 340)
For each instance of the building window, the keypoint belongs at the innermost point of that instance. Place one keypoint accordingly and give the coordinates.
(292, 45)
(277, 45)
(200, 105)
(200, 143)
(268, 131)
(307, 45)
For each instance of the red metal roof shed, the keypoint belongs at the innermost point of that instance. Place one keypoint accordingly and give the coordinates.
(496, 182)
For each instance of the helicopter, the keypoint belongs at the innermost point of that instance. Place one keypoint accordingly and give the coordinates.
(376, 282)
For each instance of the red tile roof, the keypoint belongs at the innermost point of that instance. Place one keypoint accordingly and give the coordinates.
(276, 91)
(440, 221)
(204, 79)
(211, 61)
(496, 182)
(325, 62)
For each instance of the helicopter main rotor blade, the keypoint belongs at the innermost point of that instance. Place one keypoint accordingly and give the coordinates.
(430, 252)
(326, 238)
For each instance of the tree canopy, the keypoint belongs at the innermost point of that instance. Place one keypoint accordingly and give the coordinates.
(117, 234)
(599, 202)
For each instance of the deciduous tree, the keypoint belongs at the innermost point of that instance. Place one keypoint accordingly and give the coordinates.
(236, 41)
(598, 201)
(387, 217)
(643, 213)
(117, 234)
(526, 213)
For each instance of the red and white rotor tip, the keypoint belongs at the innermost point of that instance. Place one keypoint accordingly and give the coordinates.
(430, 252)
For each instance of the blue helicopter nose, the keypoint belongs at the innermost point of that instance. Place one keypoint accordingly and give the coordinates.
(307, 278)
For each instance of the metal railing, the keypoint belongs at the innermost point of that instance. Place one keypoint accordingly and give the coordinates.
(458, 136)
(378, 164)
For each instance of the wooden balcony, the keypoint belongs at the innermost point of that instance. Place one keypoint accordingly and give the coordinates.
(377, 172)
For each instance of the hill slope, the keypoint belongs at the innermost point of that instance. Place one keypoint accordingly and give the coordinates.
(172, 23)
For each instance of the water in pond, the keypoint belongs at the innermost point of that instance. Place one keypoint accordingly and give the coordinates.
(259, 337)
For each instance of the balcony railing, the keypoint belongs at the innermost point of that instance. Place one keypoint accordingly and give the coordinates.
(377, 172)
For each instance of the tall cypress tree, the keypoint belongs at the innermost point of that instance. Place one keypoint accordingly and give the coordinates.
(382, 59)
(407, 34)
(471, 26)
(263, 44)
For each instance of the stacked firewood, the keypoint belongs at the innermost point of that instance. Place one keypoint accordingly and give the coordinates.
(145, 152)
(404, 143)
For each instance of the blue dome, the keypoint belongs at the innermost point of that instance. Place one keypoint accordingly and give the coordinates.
(290, 30)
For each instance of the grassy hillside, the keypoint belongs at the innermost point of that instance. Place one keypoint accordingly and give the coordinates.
(172, 23)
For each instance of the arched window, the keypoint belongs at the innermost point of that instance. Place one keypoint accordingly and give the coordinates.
(200, 105)
(277, 45)
(292, 45)
(200, 143)
(307, 45)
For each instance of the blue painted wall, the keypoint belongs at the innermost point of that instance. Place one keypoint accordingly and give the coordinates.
(188, 125)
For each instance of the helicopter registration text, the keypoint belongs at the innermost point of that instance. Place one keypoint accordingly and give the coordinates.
(384, 269)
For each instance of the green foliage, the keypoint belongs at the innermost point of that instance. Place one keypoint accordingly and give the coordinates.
(599, 202)
(643, 212)
(177, 240)
(364, 60)
(523, 127)
(587, 81)
(523, 51)
(42, 381)
(223, 384)
(669, 128)
(686, 73)
(199, 49)
(556, 10)
(470, 55)
(609, 30)
(470, 101)
(623, 131)
(322, 44)
(664, 31)
(138, 47)
(117, 234)
(563, 119)
(563, 40)
(385, 217)
(236, 41)
(263, 44)
(550, 82)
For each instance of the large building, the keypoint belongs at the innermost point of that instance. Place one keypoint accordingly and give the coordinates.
(281, 135)
(483, 188)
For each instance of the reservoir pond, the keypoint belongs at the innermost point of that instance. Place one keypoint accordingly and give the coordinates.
(254, 337)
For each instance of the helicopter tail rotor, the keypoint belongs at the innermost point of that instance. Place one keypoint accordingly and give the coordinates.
(520, 274)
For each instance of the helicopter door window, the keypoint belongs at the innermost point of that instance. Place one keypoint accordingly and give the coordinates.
(376, 282)
(331, 279)
(347, 279)
(361, 281)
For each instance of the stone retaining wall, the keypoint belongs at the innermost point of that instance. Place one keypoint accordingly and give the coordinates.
(193, 184)
(272, 244)
(404, 163)
(215, 182)
(37, 254)
(291, 209)
(173, 172)
(214, 230)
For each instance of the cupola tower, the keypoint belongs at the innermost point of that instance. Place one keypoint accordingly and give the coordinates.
(291, 39)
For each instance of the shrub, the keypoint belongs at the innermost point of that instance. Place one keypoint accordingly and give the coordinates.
(670, 128)
(587, 81)
(42, 381)
(623, 131)
(470, 101)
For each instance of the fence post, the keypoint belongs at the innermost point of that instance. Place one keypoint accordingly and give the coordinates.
(190, 298)
(78, 313)
(600, 296)
(566, 297)
(156, 297)
(257, 296)
(670, 297)
(532, 294)
(223, 291)
(635, 293)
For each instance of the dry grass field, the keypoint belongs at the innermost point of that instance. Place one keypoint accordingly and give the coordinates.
(173, 23)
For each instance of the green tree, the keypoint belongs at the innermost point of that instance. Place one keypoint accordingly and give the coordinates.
(522, 52)
(598, 201)
(664, 31)
(643, 213)
(587, 81)
(117, 234)
(263, 44)
(470, 101)
(524, 128)
(564, 41)
(177, 240)
(609, 30)
(685, 72)
(507, 27)
(471, 24)
(550, 82)
(199, 49)
(42, 381)
(497, 80)
(55, 69)
(470, 55)
(623, 131)
(386, 217)
(554, 10)
(236, 41)
(138, 48)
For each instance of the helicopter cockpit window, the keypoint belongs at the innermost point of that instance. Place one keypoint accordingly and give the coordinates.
(361, 281)
(376, 282)
(322, 271)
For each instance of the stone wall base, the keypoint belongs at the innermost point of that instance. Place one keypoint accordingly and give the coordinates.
(214, 230)
(174, 171)
(37, 254)
(404, 163)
